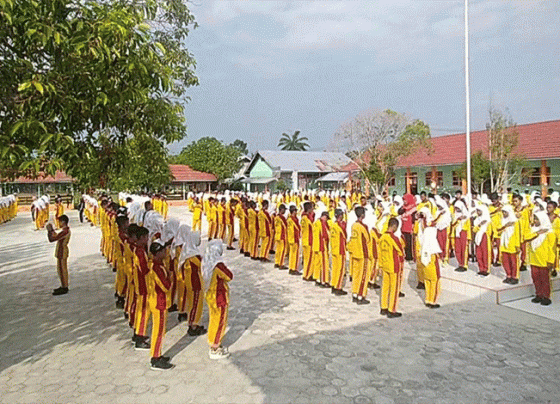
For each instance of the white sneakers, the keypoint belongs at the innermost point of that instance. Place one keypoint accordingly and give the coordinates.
(218, 353)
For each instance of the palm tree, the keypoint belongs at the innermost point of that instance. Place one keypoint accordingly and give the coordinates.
(293, 142)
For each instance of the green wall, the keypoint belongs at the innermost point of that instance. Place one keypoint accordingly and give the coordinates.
(260, 170)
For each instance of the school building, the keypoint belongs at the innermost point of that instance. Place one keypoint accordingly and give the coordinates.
(538, 144)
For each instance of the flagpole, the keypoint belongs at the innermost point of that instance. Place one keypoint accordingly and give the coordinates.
(467, 98)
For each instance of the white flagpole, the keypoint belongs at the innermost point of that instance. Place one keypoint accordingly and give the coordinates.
(467, 97)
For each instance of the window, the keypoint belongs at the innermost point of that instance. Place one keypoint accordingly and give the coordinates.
(391, 182)
(438, 178)
(532, 176)
(457, 180)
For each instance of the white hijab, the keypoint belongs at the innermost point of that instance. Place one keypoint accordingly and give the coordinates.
(212, 257)
(191, 246)
(478, 221)
(544, 225)
(460, 211)
(180, 238)
(445, 219)
(170, 229)
(508, 231)
(427, 237)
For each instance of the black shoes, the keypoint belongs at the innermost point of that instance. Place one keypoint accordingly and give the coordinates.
(282, 267)
(433, 306)
(230, 248)
(119, 304)
(460, 269)
(276, 266)
(196, 330)
(339, 292)
(160, 363)
(374, 286)
(401, 294)
(172, 308)
(182, 317)
(483, 273)
(546, 302)
(421, 286)
(60, 291)
(507, 280)
(384, 312)
(536, 299)
(294, 272)
(393, 314)
(141, 344)
(523, 267)
(362, 301)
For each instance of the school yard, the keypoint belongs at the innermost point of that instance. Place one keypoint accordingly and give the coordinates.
(290, 341)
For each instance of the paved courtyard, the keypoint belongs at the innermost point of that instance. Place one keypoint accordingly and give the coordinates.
(290, 342)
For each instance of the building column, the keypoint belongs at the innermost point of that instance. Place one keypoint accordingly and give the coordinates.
(183, 187)
(544, 182)
(434, 179)
(464, 185)
(408, 181)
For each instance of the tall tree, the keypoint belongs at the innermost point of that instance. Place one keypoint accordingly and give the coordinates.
(81, 77)
(210, 155)
(293, 142)
(241, 146)
(378, 139)
(502, 141)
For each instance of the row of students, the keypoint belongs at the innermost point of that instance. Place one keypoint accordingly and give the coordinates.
(159, 270)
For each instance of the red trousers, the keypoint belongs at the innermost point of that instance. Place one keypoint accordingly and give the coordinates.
(461, 252)
(482, 254)
(509, 261)
(442, 241)
(541, 280)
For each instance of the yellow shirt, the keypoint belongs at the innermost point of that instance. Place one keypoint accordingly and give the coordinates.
(390, 253)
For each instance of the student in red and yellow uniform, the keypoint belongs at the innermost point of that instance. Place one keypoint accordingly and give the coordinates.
(243, 216)
(159, 299)
(221, 216)
(129, 264)
(483, 239)
(265, 232)
(391, 256)
(320, 248)
(217, 276)
(253, 230)
(59, 212)
(62, 239)
(523, 214)
(541, 244)
(429, 257)
(212, 218)
(510, 244)
(551, 208)
(495, 210)
(307, 240)
(462, 227)
(197, 215)
(230, 223)
(120, 279)
(338, 252)
(164, 207)
(294, 235)
(359, 247)
(141, 272)
(281, 237)
(190, 264)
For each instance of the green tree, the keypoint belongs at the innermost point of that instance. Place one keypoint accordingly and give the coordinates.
(241, 146)
(210, 155)
(81, 79)
(376, 140)
(480, 171)
(293, 142)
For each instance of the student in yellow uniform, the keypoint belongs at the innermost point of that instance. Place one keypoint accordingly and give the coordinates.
(243, 216)
(221, 219)
(360, 251)
(159, 299)
(523, 214)
(281, 237)
(320, 248)
(338, 239)
(253, 230)
(141, 273)
(211, 217)
(541, 244)
(307, 241)
(190, 264)
(429, 257)
(128, 255)
(265, 232)
(462, 227)
(495, 210)
(510, 244)
(230, 223)
(217, 277)
(197, 215)
(164, 207)
(551, 208)
(391, 258)
(62, 239)
(483, 239)
(59, 212)
(120, 278)
(294, 235)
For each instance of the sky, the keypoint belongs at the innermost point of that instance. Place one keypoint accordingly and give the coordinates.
(269, 67)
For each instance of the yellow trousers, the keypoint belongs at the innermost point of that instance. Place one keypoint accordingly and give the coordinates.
(243, 245)
(374, 270)
(120, 279)
(390, 290)
(62, 269)
(217, 324)
(361, 276)
(338, 270)
(280, 256)
(321, 270)
(230, 234)
(159, 322)
(266, 244)
(196, 224)
(212, 227)
(432, 281)
(293, 258)
(142, 315)
(307, 262)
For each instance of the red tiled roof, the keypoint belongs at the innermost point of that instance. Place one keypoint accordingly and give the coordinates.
(59, 177)
(536, 141)
(183, 173)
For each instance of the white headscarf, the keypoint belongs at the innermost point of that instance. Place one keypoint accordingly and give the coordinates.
(478, 221)
(170, 229)
(384, 217)
(544, 225)
(190, 246)
(428, 243)
(445, 219)
(153, 222)
(180, 238)
(212, 257)
(508, 231)
(460, 212)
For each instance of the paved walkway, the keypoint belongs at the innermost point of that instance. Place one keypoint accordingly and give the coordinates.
(290, 341)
